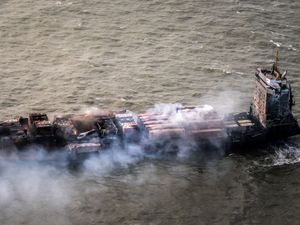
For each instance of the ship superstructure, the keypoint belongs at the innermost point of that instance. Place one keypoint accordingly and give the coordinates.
(273, 101)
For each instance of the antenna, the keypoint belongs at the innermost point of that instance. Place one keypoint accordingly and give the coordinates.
(275, 69)
(276, 58)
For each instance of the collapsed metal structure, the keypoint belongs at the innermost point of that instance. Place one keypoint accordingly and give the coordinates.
(270, 117)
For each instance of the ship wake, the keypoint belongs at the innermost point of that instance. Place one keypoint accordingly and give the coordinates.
(283, 154)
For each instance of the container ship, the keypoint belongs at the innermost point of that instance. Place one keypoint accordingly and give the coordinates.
(269, 118)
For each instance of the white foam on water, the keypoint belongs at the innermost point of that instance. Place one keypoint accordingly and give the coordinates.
(284, 155)
(278, 44)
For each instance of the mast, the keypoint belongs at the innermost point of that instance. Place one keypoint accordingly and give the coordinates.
(275, 69)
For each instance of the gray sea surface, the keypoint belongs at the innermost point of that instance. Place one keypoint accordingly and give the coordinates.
(75, 55)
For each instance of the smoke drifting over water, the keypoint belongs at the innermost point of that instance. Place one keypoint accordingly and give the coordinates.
(33, 191)
(42, 189)
(112, 159)
(40, 192)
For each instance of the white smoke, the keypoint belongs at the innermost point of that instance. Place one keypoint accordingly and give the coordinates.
(176, 116)
(228, 101)
(124, 157)
(41, 187)
(33, 189)
(184, 145)
(113, 158)
(38, 181)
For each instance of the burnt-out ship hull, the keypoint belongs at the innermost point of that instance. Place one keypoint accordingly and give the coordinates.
(84, 134)
(270, 117)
